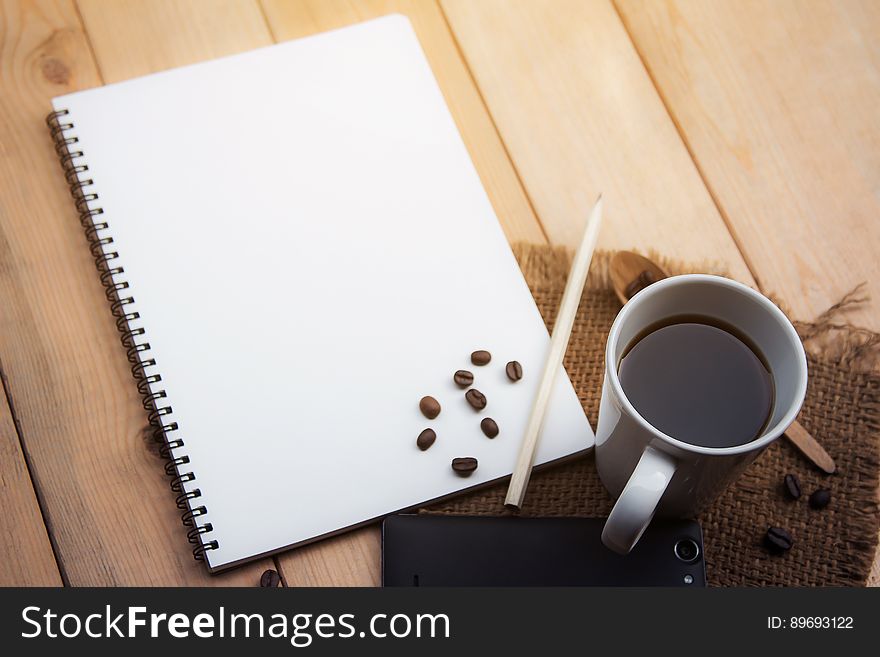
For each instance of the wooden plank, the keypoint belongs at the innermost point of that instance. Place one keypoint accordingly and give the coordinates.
(579, 115)
(132, 38)
(26, 557)
(353, 559)
(106, 498)
(779, 103)
(350, 559)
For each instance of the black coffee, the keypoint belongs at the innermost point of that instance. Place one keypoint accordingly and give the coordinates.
(698, 380)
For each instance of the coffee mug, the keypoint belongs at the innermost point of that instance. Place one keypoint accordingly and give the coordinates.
(651, 472)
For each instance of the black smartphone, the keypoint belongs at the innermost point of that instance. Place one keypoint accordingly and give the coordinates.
(435, 550)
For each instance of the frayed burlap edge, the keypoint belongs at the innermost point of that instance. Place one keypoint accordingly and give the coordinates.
(827, 336)
(544, 270)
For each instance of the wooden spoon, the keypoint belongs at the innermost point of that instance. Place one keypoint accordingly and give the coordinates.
(631, 273)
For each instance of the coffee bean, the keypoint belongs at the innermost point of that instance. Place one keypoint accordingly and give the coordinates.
(777, 540)
(426, 439)
(643, 280)
(476, 399)
(820, 498)
(514, 370)
(464, 466)
(463, 378)
(270, 579)
(430, 407)
(489, 427)
(481, 357)
(792, 486)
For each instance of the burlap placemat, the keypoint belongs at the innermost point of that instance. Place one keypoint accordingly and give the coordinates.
(833, 547)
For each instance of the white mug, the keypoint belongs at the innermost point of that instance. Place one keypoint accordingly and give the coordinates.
(649, 471)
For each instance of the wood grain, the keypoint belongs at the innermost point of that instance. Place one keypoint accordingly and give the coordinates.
(779, 104)
(132, 37)
(580, 116)
(106, 498)
(26, 557)
(351, 559)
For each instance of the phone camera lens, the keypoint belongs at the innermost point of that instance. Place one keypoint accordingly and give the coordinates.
(687, 550)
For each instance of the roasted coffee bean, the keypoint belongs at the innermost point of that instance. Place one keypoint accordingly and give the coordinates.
(820, 498)
(464, 466)
(777, 540)
(481, 357)
(643, 280)
(270, 579)
(463, 378)
(489, 427)
(426, 439)
(792, 486)
(514, 370)
(430, 407)
(476, 399)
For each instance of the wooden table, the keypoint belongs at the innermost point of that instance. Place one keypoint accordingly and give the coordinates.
(744, 132)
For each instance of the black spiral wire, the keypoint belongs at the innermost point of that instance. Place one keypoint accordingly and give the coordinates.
(109, 270)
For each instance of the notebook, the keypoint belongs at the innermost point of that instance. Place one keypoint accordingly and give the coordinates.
(297, 248)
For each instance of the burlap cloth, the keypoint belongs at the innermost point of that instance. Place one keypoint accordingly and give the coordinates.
(833, 547)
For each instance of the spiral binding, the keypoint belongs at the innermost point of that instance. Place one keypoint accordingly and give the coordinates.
(109, 271)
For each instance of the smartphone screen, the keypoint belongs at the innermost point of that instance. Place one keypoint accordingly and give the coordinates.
(435, 550)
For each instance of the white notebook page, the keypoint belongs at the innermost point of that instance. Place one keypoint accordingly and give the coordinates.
(311, 251)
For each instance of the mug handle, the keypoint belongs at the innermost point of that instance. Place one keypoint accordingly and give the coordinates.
(634, 509)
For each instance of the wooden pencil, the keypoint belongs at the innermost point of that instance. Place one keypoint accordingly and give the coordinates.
(571, 298)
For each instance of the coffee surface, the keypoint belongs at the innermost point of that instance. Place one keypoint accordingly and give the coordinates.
(699, 381)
